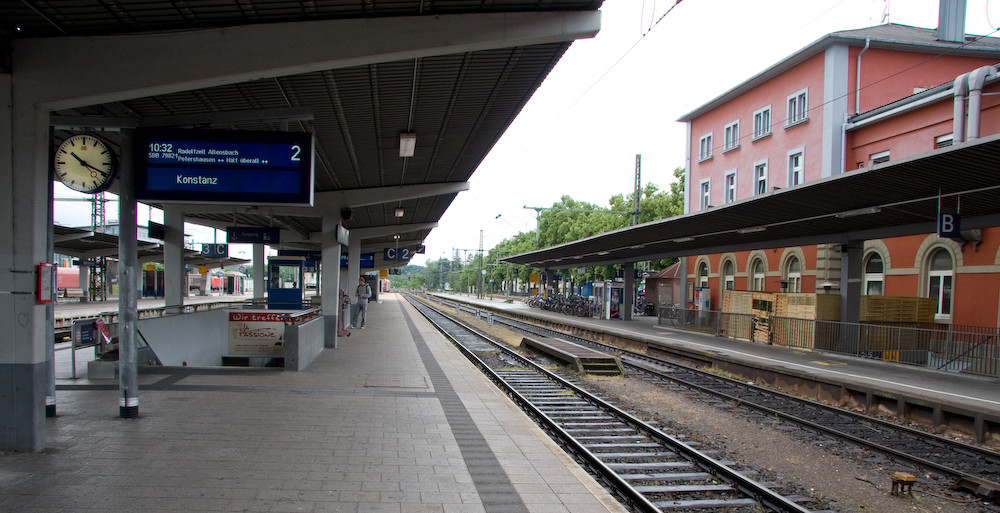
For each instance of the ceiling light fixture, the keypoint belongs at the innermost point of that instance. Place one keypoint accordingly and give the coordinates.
(858, 212)
(407, 144)
(683, 239)
(752, 229)
(399, 212)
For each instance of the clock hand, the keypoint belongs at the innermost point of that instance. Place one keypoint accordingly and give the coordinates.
(82, 162)
(85, 164)
(102, 172)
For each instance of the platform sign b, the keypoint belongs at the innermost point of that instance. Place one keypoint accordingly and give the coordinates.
(949, 225)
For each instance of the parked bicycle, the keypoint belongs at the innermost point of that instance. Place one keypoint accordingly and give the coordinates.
(570, 305)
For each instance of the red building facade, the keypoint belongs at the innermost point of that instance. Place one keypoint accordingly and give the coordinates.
(852, 100)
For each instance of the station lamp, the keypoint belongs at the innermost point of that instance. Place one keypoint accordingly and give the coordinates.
(407, 144)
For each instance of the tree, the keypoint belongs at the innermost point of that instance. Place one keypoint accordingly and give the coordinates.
(570, 220)
(655, 205)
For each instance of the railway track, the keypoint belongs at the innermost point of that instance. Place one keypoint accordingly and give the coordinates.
(963, 466)
(649, 469)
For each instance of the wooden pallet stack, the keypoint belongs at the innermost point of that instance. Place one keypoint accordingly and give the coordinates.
(797, 311)
(897, 309)
(736, 302)
(890, 315)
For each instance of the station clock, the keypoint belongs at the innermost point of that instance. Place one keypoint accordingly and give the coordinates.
(85, 163)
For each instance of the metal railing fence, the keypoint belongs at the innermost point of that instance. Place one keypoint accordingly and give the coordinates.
(950, 347)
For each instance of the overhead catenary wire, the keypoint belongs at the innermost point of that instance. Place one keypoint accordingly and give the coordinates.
(614, 64)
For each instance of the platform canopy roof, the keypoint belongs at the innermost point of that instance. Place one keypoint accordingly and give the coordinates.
(897, 198)
(84, 244)
(455, 73)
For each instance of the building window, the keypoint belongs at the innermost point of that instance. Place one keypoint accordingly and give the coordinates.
(760, 178)
(762, 123)
(793, 275)
(795, 165)
(703, 274)
(879, 158)
(730, 187)
(797, 108)
(757, 275)
(706, 195)
(729, 275)
(943, 141)
(874, 275)
(939, 284)
(705, 147)
(732, 136)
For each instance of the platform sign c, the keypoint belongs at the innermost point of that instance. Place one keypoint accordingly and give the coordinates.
(215, 250)
(396, 254)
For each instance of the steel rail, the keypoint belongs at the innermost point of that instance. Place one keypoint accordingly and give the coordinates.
(964, 480)
(760, 493)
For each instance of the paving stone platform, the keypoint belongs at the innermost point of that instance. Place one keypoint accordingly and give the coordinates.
(393, 420)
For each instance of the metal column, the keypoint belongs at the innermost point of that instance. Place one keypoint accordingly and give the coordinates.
(128, 283)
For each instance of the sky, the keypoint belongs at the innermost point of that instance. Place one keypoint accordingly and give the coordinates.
(619, 94)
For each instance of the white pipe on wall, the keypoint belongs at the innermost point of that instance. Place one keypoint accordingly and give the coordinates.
(976, 81)
(960, 90)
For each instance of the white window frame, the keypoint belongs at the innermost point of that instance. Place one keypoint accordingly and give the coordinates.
(761, 123)
(872, 278)
(759, 178)
(757, 280)
(945, 280)
(706, 193)
(732, 136)
(729, 192)
(879, 158)
(729, 275)
(793, 278)
(798, 108)
(794, 170)
(703, 272)
(705, 147)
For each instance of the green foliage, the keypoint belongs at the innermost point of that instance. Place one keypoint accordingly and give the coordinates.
(566, 221)
(570, 220)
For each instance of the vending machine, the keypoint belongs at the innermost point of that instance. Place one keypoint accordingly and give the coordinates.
(616, 300)
(284, 283)
(702, 301)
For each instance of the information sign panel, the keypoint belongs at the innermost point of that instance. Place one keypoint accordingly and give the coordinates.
(222, 166)
(252, 235)
(315, 256)
(366, 260)
(343, 235)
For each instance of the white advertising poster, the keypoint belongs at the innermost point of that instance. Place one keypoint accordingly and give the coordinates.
(256, 333)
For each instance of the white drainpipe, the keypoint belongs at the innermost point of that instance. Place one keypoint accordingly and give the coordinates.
(976, 81)
(961, 89)
(857, 86)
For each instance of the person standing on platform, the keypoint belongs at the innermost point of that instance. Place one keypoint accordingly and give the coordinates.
(363, 293)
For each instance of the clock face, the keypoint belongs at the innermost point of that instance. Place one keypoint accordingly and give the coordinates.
(85, 164)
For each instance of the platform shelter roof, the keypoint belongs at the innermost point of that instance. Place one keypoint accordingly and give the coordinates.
(470, 69)
(896, 198)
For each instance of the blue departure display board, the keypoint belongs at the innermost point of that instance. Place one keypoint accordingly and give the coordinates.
(223, 166)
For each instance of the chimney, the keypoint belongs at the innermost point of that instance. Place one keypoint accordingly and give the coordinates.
(951, 21)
